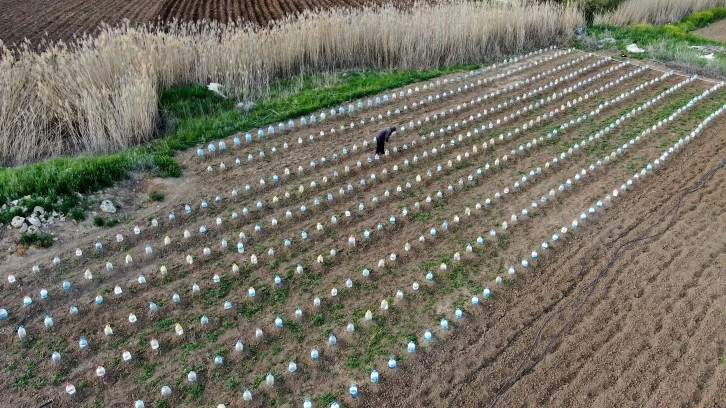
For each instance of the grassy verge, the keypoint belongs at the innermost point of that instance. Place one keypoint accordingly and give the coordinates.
(193, 115)
(670, 43)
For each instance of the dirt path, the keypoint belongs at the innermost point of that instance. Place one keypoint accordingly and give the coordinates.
(715, 31)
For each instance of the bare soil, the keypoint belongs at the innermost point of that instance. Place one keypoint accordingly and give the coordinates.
(715, 31)
(649, 334)
(38, 20)
(647, 331)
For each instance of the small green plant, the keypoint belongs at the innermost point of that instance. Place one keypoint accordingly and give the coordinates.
(325, 399)
(157, 195)
(78, 214)
(59, 378)
(353, 360)
(422, 217)
(318, 319)
(37, 239)
(39, 383)
(24, 380)
(99, 221)
(196, 391)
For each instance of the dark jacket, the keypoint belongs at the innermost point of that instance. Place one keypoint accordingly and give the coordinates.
(385, 133)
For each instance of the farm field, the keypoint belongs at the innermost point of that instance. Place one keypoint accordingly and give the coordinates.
(288, 262)
(715, 31)
(35, 19)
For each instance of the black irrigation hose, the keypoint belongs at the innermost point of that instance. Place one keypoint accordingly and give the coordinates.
(523, 369)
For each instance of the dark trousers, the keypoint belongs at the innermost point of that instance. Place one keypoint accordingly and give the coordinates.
(380, 147)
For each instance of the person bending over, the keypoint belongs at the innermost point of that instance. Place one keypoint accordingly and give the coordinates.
(381, 139)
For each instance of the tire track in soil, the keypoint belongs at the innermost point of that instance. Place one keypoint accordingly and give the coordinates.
(613, 303)
(565, 368)
(673, 182)
(679, 313)
(654, 348)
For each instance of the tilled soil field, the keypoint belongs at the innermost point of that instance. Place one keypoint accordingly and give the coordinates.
(64, 20)
(715, 31)
(39, 20)
(544, 231)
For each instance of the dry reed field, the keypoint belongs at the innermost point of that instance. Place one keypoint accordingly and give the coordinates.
(100, 94)
(290, 266)
(655, 12)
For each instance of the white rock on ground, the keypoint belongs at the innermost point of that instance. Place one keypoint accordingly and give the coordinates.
(17, 222)
(108, 207)
(33, 220)
(38, 210)
(634, 48)
(24, 228)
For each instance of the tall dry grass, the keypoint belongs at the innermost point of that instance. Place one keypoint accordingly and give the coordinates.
(655, 12)
(100, 94)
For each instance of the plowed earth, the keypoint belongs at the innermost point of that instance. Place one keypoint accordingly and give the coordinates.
(39, 20)
(566, 331)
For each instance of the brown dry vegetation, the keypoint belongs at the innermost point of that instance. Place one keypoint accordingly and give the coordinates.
(486, 346)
